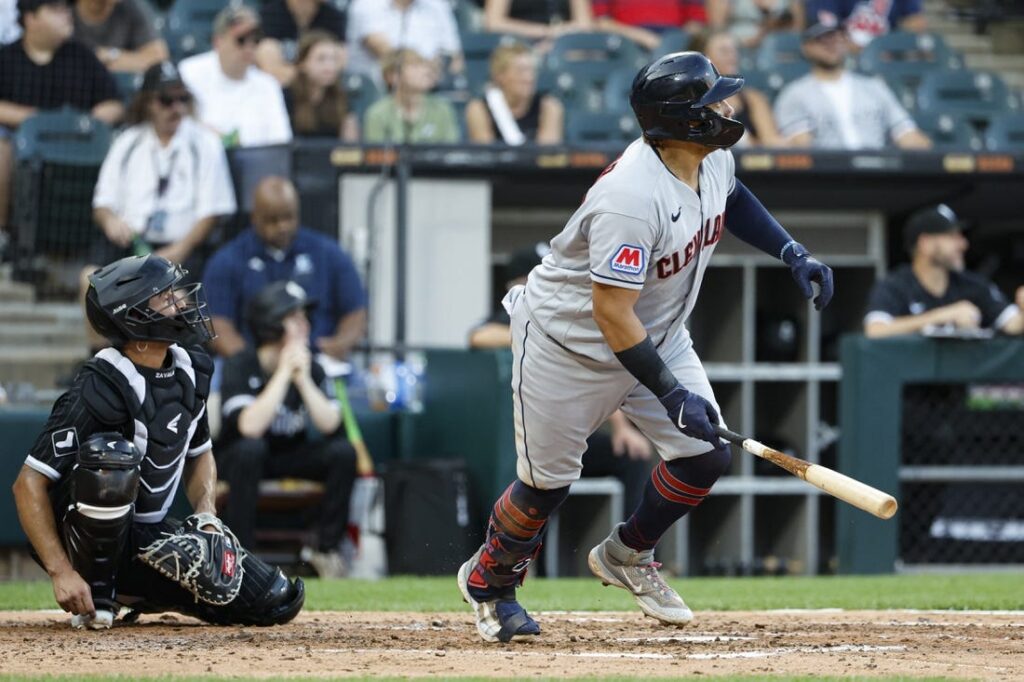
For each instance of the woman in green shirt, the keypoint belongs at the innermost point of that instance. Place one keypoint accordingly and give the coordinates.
(409, 113)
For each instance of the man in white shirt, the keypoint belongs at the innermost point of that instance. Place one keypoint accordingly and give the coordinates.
(378, 27)
(233, 97)
(831, 108)
(164, 182)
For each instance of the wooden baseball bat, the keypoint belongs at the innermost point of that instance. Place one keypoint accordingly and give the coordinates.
(847, 489)
(364, 462)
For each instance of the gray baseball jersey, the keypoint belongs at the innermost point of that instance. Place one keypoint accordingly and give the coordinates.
(640, 228)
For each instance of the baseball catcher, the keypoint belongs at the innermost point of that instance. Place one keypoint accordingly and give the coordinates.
(94, 492)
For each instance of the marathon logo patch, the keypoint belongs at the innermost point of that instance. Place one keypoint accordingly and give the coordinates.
(65, 442)
(629, 260)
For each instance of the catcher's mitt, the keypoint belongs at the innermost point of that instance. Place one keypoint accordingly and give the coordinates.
(207, 564)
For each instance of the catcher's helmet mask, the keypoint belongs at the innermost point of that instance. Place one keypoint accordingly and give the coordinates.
(671, 98)
(118, 303)
(267, 309)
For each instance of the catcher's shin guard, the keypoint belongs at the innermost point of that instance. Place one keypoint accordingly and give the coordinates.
(98, 517)
(267, 597)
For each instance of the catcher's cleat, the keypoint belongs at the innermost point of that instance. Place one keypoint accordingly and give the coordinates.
(102, 620)
(616, 564)
(499, 617)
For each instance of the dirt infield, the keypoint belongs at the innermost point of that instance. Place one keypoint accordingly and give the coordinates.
(979, 645)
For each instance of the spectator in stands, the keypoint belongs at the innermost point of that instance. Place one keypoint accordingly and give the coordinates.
(865, 20)
(45, 69)
(284, 23)
(751, 20)
(621, 451)
(934, 294)
(10, 27)
(316, 102)
(410, 114)
(376, 28)
(644, 21)
(276, 248)
(538, 21)
(121, 33)
(831, 108)
(750, 105)
(240, 102)
(273, 395)
(512, 111)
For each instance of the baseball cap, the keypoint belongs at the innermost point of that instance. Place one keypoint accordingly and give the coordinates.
(525, 260)
(160, 76)
(32, 5)
(825, 25)
(931, 220)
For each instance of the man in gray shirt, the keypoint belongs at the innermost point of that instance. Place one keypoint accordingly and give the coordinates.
(121, 33)
(831, 108)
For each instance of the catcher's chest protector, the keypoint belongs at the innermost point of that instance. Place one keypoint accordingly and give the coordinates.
(165, 413)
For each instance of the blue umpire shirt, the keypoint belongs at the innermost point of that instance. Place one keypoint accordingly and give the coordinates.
(243, 266)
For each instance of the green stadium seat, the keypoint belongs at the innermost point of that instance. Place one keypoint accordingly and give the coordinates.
(127, 85)
(672, 41)
(907, 55)
(604, 48)
(948, 131)
(617, 88)
(58, 156)
(586, 126)
(476, 50)
(188, 29)
(361, 90)
(772, 81)
(977, 95)
(778, 51)
(1005, 133)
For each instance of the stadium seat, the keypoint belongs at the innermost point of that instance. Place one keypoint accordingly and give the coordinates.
(249, 165)
(57, 160)
(948, 132)
(907, 55)
(361, 91)
(778, 51)
(772, 81)
(476, 50)
(672, 41)
(127, 85)
(609, 49)
(978, 95)
(616, 90)
(1005, 133)
(189, 26)
(586, 126)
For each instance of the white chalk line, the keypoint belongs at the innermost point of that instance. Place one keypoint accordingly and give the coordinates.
(757, 653)
(693, 639)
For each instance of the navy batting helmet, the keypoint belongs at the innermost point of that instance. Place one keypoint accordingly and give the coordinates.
(670, 97)
(118, 303)
(267, 310)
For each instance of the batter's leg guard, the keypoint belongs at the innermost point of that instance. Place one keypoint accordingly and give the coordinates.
(98, 519)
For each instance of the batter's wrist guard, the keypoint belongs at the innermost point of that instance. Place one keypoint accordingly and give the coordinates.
(644, 363)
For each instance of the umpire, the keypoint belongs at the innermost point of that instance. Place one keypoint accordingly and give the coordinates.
(273, 396)
(95, 489)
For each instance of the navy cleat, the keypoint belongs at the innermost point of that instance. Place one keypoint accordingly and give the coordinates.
(499, 617)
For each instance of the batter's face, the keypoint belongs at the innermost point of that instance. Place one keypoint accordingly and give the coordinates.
(945, 250)
(722, 108)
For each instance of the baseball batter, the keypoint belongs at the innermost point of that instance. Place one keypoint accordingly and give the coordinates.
(600, 326)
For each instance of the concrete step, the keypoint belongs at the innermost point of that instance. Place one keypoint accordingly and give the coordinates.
(34, 333)
(41, 367)
(996, 62)
(16, 292)
(969, 43)
(56, 313)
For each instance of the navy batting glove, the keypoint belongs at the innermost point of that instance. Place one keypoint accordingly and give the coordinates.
(805, 270)
(692, 415)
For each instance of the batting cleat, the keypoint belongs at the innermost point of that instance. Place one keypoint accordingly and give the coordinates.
(616, 564)
(102, 620)
(498, 619)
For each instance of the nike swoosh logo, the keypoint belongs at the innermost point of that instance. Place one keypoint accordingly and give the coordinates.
(675, 216)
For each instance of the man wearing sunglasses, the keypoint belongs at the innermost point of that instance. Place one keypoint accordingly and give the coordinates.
(233, 97)
(165, 181)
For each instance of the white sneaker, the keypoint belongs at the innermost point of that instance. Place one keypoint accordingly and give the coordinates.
(102, 620)
(326, 564)
(616, 564)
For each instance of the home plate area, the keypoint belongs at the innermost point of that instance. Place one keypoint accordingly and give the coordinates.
(967, 644)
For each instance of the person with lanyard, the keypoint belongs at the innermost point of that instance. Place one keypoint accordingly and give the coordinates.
(934, 294)
(164, 183)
